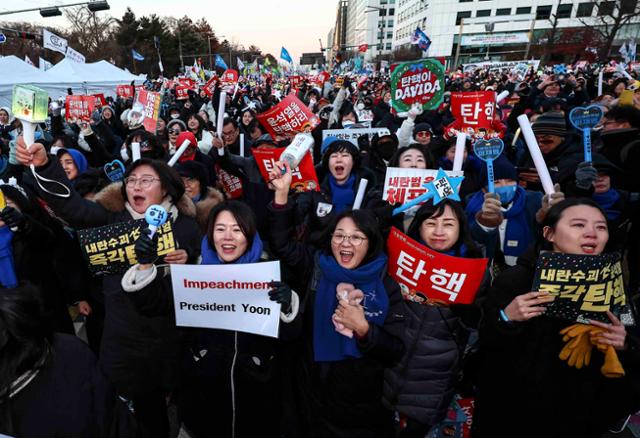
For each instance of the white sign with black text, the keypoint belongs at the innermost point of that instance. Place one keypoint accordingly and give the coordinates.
(227, 297)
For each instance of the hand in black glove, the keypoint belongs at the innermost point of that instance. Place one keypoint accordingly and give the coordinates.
(15, 220)
(586, 175)
(146, 248)
(281, 293)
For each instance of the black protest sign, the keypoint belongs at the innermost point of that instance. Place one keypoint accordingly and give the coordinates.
(110, 249)
(584, 286)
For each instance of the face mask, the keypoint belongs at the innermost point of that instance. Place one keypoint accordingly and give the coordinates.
(386, 149)
(360, 106)
(347, 123)
(506, 193)
(175, 116)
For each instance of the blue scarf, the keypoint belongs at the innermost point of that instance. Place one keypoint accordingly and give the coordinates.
(210, 256)
(517, 226)
(607, 200)
(8, 277)
(328, 344)
(342, 196)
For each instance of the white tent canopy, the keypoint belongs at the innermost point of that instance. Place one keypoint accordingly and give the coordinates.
(90, 78)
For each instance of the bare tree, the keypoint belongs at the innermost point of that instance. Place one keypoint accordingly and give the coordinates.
(91, 31)
(612, 16)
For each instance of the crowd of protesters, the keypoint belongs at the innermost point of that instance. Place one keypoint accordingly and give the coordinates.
(388, 367)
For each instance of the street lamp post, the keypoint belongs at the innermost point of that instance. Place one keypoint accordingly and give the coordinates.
(53, 11)
(380, 29)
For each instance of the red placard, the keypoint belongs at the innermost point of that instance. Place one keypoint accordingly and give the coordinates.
(229, 77)
(149, 103)
(210, 86)
(474, 109)
(100, 100)
(427, 277)
(182, 92)
(124, 91)
(295, 81)
(79, 108)
(231, 184)
(187, 82)
(288, 118)
(304, 178)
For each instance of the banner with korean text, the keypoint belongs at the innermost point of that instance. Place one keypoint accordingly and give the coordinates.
(288, 118)
(227, 297)
(402, 184)
(429, 277)
(304, 178)
(352, 134)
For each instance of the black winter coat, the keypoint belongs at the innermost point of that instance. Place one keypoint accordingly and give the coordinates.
(337, 399)
(525, 390)
(138, 353)
(71, 398)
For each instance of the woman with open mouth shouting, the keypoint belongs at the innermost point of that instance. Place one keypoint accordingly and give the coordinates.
(132, 345)
(525, 376)
(352, 314)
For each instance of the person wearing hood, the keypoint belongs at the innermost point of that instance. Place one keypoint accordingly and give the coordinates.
(5, 124)
(196, 185)
(342, 175)
(137, 353)
(73, 162)
(377, 157)
(504, 221)
(109, 118)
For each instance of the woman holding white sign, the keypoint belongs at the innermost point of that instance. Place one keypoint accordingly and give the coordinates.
(230, 381)
(420, 388)
(353, 319)
(528, 385)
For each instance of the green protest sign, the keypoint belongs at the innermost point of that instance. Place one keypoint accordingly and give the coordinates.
(420, 82)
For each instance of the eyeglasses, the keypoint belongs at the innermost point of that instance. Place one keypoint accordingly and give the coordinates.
(145, 181)
(187, 180)
(338, 238)
(423, 134)
(174, 131)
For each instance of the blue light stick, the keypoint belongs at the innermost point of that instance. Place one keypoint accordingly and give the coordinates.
(584, 119)
(155, 216)
(489, 150)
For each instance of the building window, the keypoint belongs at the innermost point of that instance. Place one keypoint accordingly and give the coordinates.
(390, 23)
(585, 9)
(522, 11)
(392, 11)
(543, 12)
(606, 8)
(388, 46)
(503, 11)
(564, 10)
(483, 13)
(389, 35)
(628, 6)
(465, 1)
(461, 15)
(382, 12)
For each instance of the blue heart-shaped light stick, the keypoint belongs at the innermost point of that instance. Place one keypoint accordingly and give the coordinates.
(489, 150)
(155, 216)
(584, 119)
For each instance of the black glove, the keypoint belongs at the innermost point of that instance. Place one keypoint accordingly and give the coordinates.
(281, 293)
(586, 174)
(146, 248)
(15, 220)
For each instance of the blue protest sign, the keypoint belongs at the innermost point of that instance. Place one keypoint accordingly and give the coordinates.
(489, 150)
(584, 119)
(114, 170)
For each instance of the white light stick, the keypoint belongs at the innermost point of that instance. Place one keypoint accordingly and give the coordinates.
(536, 155)
(135, 151)
(360, 195)
(461, 141)
(242, 145)
(600, 82)
(179, 153)
(622, 70)
(502, 96)
(221, 107)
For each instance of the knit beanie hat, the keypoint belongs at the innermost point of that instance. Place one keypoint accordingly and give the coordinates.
(422, 127)
(502, 169)
(550, 123)
(177, 122)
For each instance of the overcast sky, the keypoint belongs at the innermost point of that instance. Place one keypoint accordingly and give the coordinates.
(270, 24)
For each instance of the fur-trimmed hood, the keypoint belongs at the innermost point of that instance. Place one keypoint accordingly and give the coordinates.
(111, 198)
(203, 207)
